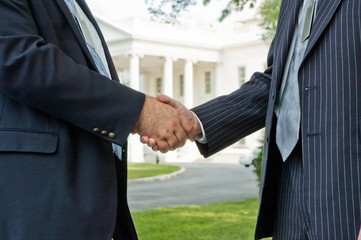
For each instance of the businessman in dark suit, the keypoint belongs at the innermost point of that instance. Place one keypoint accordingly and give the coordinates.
(64, 121)
(309, 100)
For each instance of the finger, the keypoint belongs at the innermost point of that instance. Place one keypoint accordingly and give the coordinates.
(173, 142)
(192, 134)
(151, 142)
(168, 100)
(144, 139)
(181, 137)
(155, 148)
(163, 146)
(191, 126)
(187, 127)
(163, 98)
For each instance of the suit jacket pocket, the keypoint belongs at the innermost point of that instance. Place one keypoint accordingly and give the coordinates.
(28, 141)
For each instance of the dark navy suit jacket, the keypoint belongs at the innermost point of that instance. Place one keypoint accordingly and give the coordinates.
(330, 94)
(59, 178)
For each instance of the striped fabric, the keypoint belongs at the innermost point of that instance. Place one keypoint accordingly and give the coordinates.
(291, 221)
(330, 99)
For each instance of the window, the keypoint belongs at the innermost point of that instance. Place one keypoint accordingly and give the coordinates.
(181, 85)
(208, 82)
(242, 75)
(159, 85)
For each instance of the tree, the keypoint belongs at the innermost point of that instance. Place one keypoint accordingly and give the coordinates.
(233, 6)
(169, 11)
(269, 10)
(257, 161)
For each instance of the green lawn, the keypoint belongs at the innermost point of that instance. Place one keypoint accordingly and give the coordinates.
(141, 170)
(220, 221)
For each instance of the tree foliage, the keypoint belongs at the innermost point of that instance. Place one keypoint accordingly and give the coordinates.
(269, 12)
(233, 6)
(257, 161)
(169, 11)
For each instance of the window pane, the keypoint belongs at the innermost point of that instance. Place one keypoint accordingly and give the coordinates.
(208, 82)
(242, 75)
(159, 85)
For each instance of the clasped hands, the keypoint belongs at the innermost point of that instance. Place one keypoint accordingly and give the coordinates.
(165, 124)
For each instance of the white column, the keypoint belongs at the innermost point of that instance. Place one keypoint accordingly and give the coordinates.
(168, 77)
(188, 83)
(134, 71)
(189, 152)
(218, 80)
(171, 156)
(135, 147)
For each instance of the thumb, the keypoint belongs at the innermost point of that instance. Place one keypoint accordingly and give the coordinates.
(163, 98)
(170, 101)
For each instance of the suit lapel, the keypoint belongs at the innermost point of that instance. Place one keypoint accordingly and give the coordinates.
(91, 18)
(325, 10)
(75, 29)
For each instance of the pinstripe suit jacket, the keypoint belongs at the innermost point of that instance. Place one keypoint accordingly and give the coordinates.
(330, 97)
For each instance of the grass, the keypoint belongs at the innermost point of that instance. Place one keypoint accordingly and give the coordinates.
(141, 170)
(220, 221)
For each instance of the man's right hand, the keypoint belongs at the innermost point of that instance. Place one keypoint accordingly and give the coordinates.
(191, 127)
(164, 124)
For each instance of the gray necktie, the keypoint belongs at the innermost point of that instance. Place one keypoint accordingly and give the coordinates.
(289, 113)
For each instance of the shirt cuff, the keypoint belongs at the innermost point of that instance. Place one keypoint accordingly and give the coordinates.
(201, 137)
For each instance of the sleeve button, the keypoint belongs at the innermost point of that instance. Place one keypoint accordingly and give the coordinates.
(112, 135)
(104, 133)
(97, 130)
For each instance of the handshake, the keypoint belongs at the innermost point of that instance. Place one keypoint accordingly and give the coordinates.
(165, 124)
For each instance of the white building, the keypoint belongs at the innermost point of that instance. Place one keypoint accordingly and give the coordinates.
(193, 61)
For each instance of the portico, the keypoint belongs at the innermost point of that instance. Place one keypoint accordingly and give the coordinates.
(189, 62)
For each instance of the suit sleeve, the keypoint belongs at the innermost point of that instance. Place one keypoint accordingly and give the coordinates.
(40, 75)
(227, 119)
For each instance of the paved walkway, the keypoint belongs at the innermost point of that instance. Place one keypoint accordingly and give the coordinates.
(200, 183)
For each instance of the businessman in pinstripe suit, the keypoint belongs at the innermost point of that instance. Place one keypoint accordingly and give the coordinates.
(312, 192)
